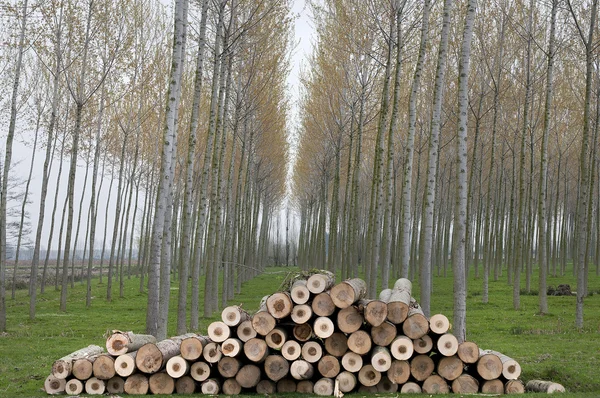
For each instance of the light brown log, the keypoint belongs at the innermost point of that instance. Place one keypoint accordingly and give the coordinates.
(210, 387)
(352, 362)
(439, 324)
(185, 385)
(468, 352)
(415, 326)
(200, 371)
(279, 305)
(423, 345)
(312, 351)
(125, 364)
(368, 376)
(347, 381)
(494, 386)
(291, 350)
(402, 348)
(136, 384)
(276, 338)
(299, 292)
(266, 387)
(410, 388)
(322, 304)
(489, 367)
(323, 327)
(544, 386)
(177, 367)
(301, 313)
(383, 334)
(359, 342)
(151, 358)
(348, 292)
(385, 385)
(263, 322)
(234, 315)
(465, 384)
(119, 343)
(212, 352)
(231, 347)
(399, 371)
(381, 358)
(303, 332)
(248, 376)
(218, 331)
(95, 386)
(161, 383)
(231, 387)
(256, 349)
(228, 366)
(83, 368)
(447, 345)
(301, 369)
(62, 368)
(336, 344)
(103, 367)
(349, 320)
(73, 387)
(286, 385)
(421, 367)
(374, 311)
(435, 384)
(329, 366)
(318, 283)
(398, 306)
(450, 367)
(191, 347)
(245, 331)
(511, 370)
(324, 387)
(115, 385)
(276, 367)
(305, 387)
(514, 387)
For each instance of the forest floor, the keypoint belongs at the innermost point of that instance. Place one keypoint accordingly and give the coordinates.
(547, 346)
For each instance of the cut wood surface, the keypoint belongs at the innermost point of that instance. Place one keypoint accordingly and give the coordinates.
(347, 381)
(103, 367)
(82, 368)
(119, 343)
(402, 348)
(234, 315)
(386, 386)
(450, 368)
(410, 388)
(324, 387)
(276, 338)
(228, 367)
(381, 360)
(218, 331)
(191, 347)
(54, 385)
(286, 385)
(415, 325)
(439, 324)
(312, 351)
(303, 332)
(232, 347)
(349, 319)
(424, 345)
(374, 311)
(544, 386)
(336, 344)
(210, 387)
(514, 387)
(74, 387)
(185, 385)
(399, 371)
(511, 370)
(231, 387)
(352, 362)
(384, 334)
(299, 292)
(115, 385)
(329, 366)
(263, 322)
(301, 313)
(95, 386)
(359, 342)
(318, 283)
(248, 376)
(368, 376)
(322, 304)
(245, 331)
(301, 370)
(151, 357)
(468, 352)
(212, 352)
(62, 368)
(305, 387)
(346, 293)
(256, 349)
(199, 371)
(291, 350)
(276, 367)
(266, 387)
(177, 367)
(421, 367)
(136, 384)
(494, 386)
(447, 345)
(323, 327)
(398, 306)
(161, 383)
(465, 384)
(435, 384)
(279, 305)
(489, 367)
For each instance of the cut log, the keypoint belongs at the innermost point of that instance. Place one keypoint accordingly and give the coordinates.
(468, 352)
(256, 350)
(435, 384)
(276, 338)
(245, 330)
(402, 348)
(103, 367)
(336, 344)
(359, 342)
(544, 386)
(299, 292)
(374, 311)
(125, 364)
(349, 320)
(347, 381)
(399, 371)
(381, 358)
(231, 387)
(161, 383)
(95, 386)
(279, 305)
(322, 304)
(210, 387)
(73, 387)
(421, 367)
(301, 370)
(384, 295)
(231, 347)
(329, 366)
(410, 388)
(83, 368)
(228, 367)
(218, 331)
(305, 387)
(383, 334)
(348, 292)
(415, 326)
(511, 370)
(150, 357)
(514, 387)
(263, 322)
(291, 350)
(352, 362)
(439, 324)
(191, 348)
(423, 345)
(403, 285)
(266, 387)
(368, 376)
(324, 387)
(301, 313)
(489, 367)
(185, 385)
(303, 332)
(177, 367)
(398, 306)
(286, 385)
(200, 371)
(385, 385)
(136, 384)
(323, 327)
(115, 385)
(119, 343)
(234, 315)
(367, 389)
(492, 387)
(276, 367)
(318, 283)
(62, 368)
(54, 385)
(447, 345)
(465, 384)
(312, 351)
(212, 353)
(450, 368)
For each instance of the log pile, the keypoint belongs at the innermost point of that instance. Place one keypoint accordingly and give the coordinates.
(315, 337)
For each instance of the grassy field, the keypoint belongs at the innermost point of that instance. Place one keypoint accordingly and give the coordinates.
(547, 347)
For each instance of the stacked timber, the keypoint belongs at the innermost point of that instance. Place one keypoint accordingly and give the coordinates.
(314, 337)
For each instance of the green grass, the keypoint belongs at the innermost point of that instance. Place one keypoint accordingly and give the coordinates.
(547, 346)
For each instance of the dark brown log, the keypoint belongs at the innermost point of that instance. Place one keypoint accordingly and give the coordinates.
(231, 387)
(200, 371)
(280, 305)
(245, 330)
(323, 327)
(349, 320)
(544, 386)
(119, 343)
(248, 376)
(210, 387)
(228, 366)
(435, 384)
(514, 387)
(447, 345)
(83, 368)
(402, 348)
(318, 283)
(348, 292)
(352, 362)
(161, 383)
(324, 387)
(439, 324)
(276, 338)
(303, 332)
(103, 367)
(286, 385)
(329, 366)
(421, 367)
(136, 384)
(410, 388)
(465, 384)
(381, 358)
(468, 352)
(336, 344)
(492, 387)
(489, 367)
(374, 311)
(423, 345)
(62, 368)
(73, 387)
(450, 367)
(368, 376)
(299, 292)
(266, 387)
(185, 385)
(398, 306)
(305, 387)
(385, 385)
(125, 364)
(399, 371)
(415, 326)
(263, 322)
(301, 370)
(115, 385)
(177, 367)
(95, 386)
(218, 331)
(367, 389)
(359, 342)
(291, 350)
(256, 350)
(191, 348)
(53, 385)
(383, 334)
(312, 351)
(151, 358)
(511, 370)
(322, 304)
(231, 347)
(346, 381)
(301, 313)
(212, 352)
(276, 367)
(234, 315)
